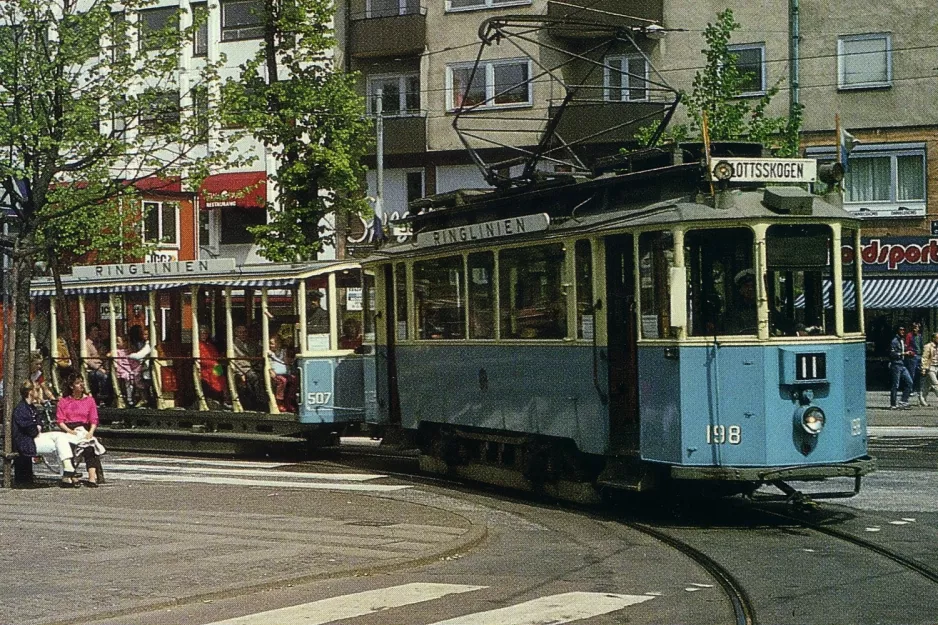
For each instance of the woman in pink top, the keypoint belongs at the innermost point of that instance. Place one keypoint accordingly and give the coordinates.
(78, 409)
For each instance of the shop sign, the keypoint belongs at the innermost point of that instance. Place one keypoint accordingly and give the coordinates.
(896, 254)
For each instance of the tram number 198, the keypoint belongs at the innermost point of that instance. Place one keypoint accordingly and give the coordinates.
(723, 434)
(318, 399)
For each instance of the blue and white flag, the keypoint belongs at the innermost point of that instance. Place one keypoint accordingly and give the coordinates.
(847, 143)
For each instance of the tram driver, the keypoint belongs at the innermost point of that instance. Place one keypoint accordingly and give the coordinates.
(317, 319)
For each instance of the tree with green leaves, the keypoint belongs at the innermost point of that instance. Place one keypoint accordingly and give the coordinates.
(92, 102)
(716, 92)
(294, 100)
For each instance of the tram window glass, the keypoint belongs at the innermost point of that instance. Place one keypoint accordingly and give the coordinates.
(400, 299)
(369, 294)
(440, 307)
(851, 312)
(799, 278)
(349, 290)
(532, 302)
(482, 295)
(584, 290)
(656, 257)
(721, 283)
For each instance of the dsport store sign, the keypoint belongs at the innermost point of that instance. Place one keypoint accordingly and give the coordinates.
(896, 254)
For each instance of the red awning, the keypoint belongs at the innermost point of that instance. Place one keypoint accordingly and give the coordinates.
(246, 189)
(152, 183)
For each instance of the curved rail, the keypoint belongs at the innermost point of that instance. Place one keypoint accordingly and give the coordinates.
(742, 607)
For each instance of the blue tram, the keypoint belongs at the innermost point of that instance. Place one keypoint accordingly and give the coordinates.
(235, 357)
(671, 324)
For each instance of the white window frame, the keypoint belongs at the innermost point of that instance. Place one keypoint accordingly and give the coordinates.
(842, 83)
(485, 4)
(893, 207)
(760, 46)
(159, 204)
(402, 111)
(625, 88)
(488, 68)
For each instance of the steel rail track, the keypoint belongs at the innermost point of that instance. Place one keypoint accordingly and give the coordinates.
(904, 561)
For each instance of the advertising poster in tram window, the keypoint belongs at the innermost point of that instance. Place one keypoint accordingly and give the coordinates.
(104, 309)
(896, 254)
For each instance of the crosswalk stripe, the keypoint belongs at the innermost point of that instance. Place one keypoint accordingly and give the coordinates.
(235, 481)
(552, 610)
(351, 605)
(339, 477)
(196, 461)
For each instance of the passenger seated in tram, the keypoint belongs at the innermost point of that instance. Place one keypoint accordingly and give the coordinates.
(97, 373)
(211, 370)
(37, 377)
(282, 377)
(245, 365)
(351, 334)
(142, 353)
(126, 369)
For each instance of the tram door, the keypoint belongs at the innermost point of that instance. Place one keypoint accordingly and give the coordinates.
(623, 346)
(392, 396)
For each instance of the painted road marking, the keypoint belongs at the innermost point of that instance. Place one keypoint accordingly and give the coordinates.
(234, 481)
(198, 461)
(351, 605)
(555, 609)
(340, 477)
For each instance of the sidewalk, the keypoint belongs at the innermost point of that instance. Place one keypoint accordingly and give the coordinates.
(879, 415)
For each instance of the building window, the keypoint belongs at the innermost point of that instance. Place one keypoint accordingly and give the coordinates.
(161, 223)
(625, 78)
(119, 40)
(864, 61)
(200, 36)
(235, 223)
(467, 5)
(158, 27)
(415, 189)
(885, 180)
(159, 111)
(750, 63)
(502, 83)
(391, 8)
(242, 19)
(400, 95)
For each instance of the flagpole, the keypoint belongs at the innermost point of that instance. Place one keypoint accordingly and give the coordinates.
(705, 135)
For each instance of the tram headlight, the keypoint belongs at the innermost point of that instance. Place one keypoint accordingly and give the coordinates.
(812, 420)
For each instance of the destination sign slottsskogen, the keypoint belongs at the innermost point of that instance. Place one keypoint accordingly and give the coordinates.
(764, 169)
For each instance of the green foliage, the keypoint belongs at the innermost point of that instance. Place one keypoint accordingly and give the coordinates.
(309, 117)
(716, 92)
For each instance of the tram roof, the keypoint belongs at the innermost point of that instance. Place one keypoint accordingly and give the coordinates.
(732, 206)
(161, 276)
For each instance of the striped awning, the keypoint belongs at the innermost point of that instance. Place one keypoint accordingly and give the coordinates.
(850, 295)
(888, 292)
(90, 290)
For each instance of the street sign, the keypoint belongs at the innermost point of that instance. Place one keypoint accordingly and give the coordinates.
(796, 170)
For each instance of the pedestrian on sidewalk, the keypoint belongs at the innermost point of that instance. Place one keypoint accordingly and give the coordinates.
(930, 368)
(900, 374)
(914, 347)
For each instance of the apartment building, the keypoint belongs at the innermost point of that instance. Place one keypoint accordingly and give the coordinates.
(874, 66)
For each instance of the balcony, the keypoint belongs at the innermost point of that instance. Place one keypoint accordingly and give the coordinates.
(405, 135)
(398, 31)
(607, 13)
(606, 122)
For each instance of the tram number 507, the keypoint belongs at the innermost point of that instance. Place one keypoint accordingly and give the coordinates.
(318, 399)
(723, 434)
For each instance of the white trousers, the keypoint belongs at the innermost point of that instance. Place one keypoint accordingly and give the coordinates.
(58, 443)
(929, 382)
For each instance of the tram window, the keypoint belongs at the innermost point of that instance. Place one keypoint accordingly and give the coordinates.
(532, 302)
(482, 295)
(440, 307)
(851, 311)
(400, 299)
(800, 275)
(584, 290)
(656, 257)
(721, 296)
(350, 310)
(370, 306)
